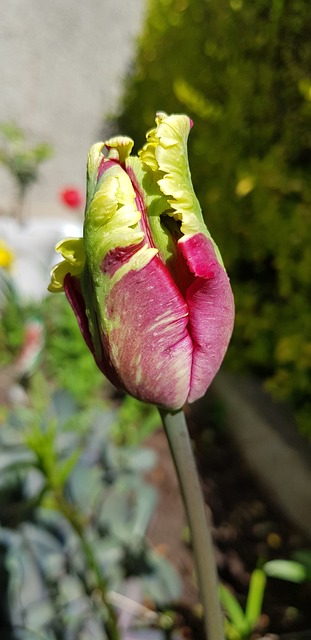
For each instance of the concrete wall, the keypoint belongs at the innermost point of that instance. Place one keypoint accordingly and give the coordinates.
(61, 68)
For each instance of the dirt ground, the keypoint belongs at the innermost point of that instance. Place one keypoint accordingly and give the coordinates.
(247, 529)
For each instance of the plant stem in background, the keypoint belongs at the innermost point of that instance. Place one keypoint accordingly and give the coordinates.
(178, 437)
(111, 623)
(43, 444)
(20, 204)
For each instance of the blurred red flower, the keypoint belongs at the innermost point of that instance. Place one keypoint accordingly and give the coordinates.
(71, 197)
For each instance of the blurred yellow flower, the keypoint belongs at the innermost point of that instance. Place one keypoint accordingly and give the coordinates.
(6, 255)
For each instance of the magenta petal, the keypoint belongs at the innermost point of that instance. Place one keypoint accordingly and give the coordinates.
(149, 344)
(118, 256)
(74, 295)
(211, 311)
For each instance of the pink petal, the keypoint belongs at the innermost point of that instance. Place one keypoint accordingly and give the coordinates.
(211, 311)
(118, 256)
(74, 295)
(149, 344)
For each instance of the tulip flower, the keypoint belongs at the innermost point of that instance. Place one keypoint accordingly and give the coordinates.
(146, 281)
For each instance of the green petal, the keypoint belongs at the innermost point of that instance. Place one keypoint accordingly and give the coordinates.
(94, 160)
(165, 154)
(119, 148)
(59, 273)
(72, 249)
(168, 144)
(112, 219)
(155, 204)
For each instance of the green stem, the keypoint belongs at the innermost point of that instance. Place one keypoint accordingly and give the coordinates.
(111, 625)
(178, 437)
(20, 205)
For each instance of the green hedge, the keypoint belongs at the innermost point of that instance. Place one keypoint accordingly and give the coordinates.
(242, 70)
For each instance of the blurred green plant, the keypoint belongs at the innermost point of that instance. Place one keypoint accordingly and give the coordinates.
(135, 422)
(74, 510)
(239, 623)
(12, 316)
(65, 361)
(297, 570)
(242, 72)
(22, 160)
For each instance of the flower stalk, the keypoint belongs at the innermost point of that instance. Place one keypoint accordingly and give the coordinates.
(152, 298)
(111, 623)
(176, 430)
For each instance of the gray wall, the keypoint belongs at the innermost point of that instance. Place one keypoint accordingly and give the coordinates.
(61, 69)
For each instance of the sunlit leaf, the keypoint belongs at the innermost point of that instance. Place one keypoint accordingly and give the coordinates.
(286, 570)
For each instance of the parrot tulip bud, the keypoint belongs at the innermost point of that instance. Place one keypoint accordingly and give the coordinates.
(146, 281)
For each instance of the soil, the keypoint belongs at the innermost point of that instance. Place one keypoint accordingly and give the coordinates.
(248, 529)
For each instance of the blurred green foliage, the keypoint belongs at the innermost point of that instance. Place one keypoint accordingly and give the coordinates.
(136, 421)
(21, 159)
(12, 320)
(65, 363)
(74, 503)
(66, 359)
(241, 70)
(74, 511)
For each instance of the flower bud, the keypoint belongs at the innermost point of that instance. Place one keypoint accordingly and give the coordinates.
(146, 281)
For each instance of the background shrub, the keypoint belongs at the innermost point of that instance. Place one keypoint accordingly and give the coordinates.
(241, 70)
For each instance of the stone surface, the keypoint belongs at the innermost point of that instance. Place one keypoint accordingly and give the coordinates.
(61, 69)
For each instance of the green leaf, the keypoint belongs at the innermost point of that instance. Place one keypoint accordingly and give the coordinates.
(140, 460)
(127, 509)
(86, 487)
(255, 597)
(12, 132)
(146, 498)
(286, 570)
(64, 405)
(162, 584)
(14, 461)
(231, 632)
(233, 610)
(42, 152)
(65, 468)
(135, 421)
